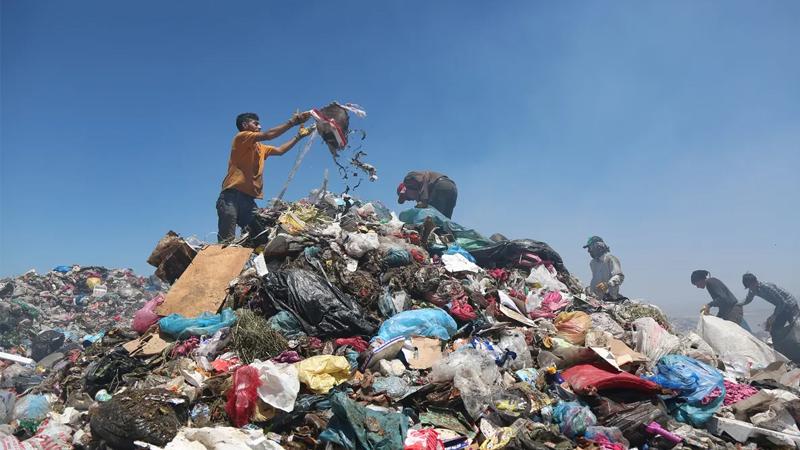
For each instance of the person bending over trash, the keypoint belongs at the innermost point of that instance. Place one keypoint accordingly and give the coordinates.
(607, 273)
(786, 309)
(721, 297)
(244, 181)
(429, 189)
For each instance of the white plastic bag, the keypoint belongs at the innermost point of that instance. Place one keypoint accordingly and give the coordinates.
(280, 384)
(514, 340)
(220, 438)
(603, 321)
(473, 373)
(544, 278)
(693, 346)
(357, 244)
(732, 342)
(652, 340)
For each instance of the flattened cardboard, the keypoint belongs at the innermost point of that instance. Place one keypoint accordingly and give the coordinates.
(147, 345)
(624, 354)
(202, 286)
(511, 314)
(424, 353)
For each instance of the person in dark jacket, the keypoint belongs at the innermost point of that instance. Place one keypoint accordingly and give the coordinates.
(786, 309)
(721, 298)
(429, 189)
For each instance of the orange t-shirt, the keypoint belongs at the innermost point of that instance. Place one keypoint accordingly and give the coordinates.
(246, 165)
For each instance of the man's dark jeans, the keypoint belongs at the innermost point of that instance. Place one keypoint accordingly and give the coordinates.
(233, 208)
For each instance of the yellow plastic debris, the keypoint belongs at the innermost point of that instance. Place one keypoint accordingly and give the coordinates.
(323, 372)
(91, 282)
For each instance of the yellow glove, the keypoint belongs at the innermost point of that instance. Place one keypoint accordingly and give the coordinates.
(601, 287)
(303, 132)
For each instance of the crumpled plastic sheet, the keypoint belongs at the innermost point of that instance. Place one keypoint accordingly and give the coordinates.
(221, 438)
(356, 427)
(573, 418)
(429, 322)
(279, 384)
(205, 324)
(322, 372)
(474, 374)
(695, 382)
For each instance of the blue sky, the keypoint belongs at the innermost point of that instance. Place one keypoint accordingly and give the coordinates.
(672, 129)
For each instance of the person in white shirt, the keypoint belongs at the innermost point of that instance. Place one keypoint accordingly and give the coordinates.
(607, 273)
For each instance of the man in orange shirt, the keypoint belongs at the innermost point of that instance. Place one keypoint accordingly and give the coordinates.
(244, 182)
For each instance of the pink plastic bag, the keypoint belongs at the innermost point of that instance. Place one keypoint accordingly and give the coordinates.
(552, 302)
(146, 316)
(425, 439)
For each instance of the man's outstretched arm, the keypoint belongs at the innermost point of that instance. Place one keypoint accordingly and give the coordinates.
(286, 146)
(272, 133)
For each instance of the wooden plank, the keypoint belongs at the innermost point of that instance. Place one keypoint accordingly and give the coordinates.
(201, 288)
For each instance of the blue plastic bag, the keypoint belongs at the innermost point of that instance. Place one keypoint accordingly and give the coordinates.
(694, 381)
(429, 322)
(456, 249)
(416, 216)
(33, 407)
(466, 238)
(573, 418)
(397, 257)
(355, 427)
(286, 324)
(63, 269)
(205, 324)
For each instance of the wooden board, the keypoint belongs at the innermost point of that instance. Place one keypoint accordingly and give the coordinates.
(201, 288)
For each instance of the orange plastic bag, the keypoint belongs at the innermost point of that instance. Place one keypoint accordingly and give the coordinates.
(573, 326)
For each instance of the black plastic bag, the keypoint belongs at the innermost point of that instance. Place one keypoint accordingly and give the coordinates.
(786, 340)
(628, 413)
(284, 421)
(320, 307)
(46, 343)
(152, 415)
(511, 253)
(333, 124)
(104, 372)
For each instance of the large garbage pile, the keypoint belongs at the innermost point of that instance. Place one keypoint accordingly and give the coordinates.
(343, 325)
(78, 302)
